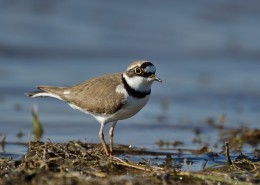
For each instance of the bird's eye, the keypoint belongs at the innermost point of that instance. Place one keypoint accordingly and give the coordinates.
(138, 70)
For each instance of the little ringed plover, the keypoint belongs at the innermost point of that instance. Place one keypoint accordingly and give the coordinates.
(108, 98)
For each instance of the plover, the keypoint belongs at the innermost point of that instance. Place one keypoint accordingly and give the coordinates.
(108, 98)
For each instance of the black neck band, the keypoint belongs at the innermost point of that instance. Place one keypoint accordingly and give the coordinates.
(133, 92)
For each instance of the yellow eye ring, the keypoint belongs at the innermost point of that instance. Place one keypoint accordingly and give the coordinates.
(138, 70)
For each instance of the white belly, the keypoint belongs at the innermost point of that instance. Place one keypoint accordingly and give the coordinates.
(132, 106)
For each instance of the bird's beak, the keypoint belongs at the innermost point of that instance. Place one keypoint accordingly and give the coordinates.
(156, 78)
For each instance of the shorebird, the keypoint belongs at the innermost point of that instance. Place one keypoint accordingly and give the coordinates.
(108, 98)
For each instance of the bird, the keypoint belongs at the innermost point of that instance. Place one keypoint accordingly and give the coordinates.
(108, 98)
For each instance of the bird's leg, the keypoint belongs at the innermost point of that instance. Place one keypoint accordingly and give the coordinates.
(101, 136)
(111, 134)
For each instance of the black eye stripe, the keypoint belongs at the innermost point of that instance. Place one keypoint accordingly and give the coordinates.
(146, 75)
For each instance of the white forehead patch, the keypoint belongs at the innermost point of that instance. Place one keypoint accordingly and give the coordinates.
(150, 69)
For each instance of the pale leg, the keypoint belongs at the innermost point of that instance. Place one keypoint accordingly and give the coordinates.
(101, 136)
(111, 134)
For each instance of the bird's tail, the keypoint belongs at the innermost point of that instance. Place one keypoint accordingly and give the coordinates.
(47, 91)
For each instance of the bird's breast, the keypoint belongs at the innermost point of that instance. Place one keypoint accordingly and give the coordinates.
(131, 107)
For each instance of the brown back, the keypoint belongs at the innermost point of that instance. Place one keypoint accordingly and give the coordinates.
(97, 95)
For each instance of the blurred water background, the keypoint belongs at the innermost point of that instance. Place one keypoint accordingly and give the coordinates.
(206, 52)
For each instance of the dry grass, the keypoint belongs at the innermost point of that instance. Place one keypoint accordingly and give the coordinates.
(79, 163)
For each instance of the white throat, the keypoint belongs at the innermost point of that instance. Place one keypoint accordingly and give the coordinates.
(138, 83)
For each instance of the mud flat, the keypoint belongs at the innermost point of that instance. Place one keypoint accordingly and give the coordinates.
(81, 163)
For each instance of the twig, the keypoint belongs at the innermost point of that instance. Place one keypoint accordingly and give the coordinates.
(227, 154)
(133, 165)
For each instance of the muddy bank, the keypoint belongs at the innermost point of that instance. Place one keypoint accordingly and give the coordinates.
(81, 163)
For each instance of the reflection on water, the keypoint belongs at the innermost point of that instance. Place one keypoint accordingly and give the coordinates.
(205, 53)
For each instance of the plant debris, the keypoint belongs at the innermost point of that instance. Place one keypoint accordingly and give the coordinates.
(84, 163)
(37, 128)
(238, 137)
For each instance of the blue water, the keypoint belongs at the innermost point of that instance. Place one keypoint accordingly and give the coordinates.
(206, 53)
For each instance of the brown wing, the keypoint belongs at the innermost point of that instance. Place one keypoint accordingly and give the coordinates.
(97, 95)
